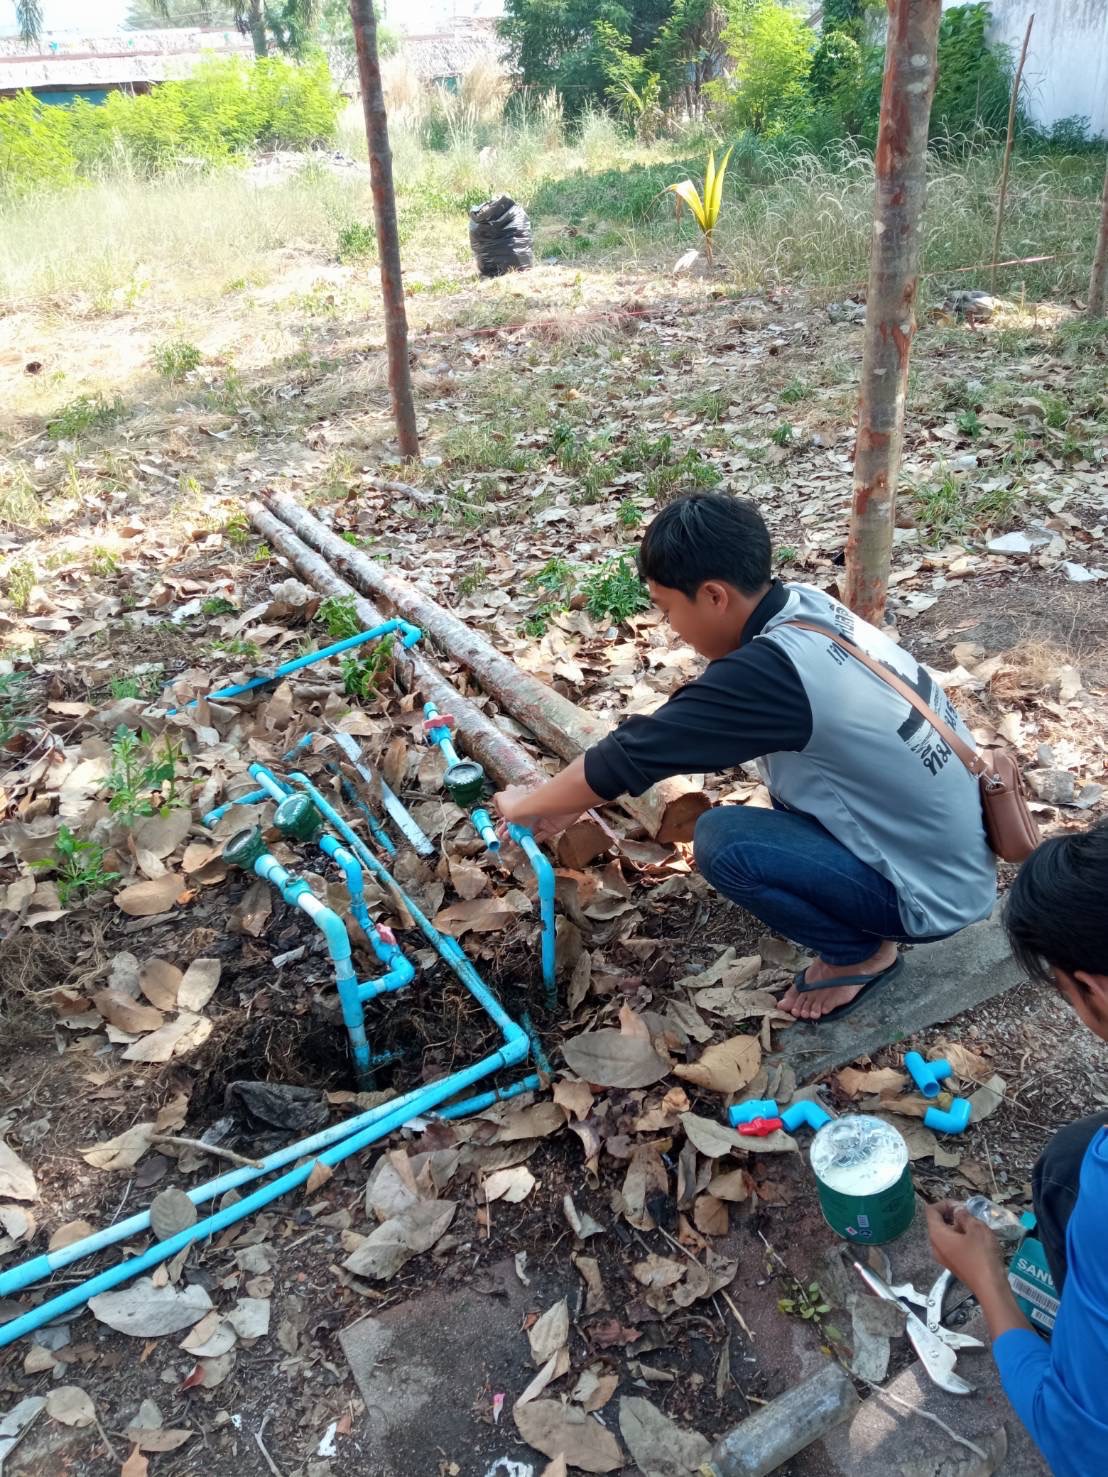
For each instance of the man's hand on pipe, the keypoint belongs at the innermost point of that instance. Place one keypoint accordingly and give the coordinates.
(512, 805)
(550, 807)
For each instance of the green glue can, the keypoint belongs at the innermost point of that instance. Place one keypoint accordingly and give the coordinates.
(865, 1185)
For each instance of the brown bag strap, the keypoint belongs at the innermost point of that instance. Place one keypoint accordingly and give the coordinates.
(974, 762)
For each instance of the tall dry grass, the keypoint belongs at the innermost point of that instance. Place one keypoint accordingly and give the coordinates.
(789, 214)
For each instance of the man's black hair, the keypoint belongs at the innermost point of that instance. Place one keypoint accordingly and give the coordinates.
(707, 536)
(1055, 913)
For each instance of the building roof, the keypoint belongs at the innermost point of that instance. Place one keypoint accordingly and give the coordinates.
(451, 53)
(128, 57)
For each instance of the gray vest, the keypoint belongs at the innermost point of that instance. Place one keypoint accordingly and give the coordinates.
(877, 775)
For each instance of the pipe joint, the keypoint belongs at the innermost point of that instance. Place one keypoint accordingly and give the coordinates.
(928, 1076)
(955, 1119)
(807, 1112)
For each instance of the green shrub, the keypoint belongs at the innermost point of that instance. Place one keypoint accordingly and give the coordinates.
(615, 591)
(227, 107)
(86, 413)
(357, 242)
(176, 359)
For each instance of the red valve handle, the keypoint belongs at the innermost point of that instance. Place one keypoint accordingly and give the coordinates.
(760, 1128)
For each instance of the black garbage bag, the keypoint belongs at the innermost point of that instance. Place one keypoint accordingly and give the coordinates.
(500, 235)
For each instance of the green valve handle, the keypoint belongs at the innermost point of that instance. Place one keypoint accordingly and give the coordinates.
(297, 818)
(465, 782)
(244, 848)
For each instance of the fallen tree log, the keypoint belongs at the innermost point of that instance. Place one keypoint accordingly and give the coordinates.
(668, 810)
(478, 735)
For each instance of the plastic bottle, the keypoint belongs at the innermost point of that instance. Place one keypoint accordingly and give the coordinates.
(1004, 1224)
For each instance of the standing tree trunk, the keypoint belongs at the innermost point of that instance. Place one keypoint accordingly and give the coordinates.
(1098, 282)
(255, 22)
(384, 213)
(901, 185)
(1008, 152)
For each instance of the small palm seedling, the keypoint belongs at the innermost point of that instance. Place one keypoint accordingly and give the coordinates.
(705, 208)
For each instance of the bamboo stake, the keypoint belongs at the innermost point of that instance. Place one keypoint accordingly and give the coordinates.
(668, 811)
(1008, 151)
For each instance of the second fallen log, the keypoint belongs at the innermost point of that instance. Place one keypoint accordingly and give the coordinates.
(505, 761)
(668, 810)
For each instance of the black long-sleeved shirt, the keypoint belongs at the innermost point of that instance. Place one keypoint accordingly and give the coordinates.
(746, 704)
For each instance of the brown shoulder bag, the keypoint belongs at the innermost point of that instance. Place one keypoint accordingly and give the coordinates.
(1009, 825)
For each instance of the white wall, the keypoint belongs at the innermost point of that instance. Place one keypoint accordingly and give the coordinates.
(1066, 71)
(426, 17)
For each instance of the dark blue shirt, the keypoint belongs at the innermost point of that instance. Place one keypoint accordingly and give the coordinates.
(1060, 1390)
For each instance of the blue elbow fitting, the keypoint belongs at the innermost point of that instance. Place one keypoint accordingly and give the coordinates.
(806, 1112)
(954, 1119)
(409, 634)
(927, 1075)
(754, 1108)
(400, 973)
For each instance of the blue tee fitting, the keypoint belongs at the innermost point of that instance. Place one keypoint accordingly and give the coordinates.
(954, 1119)
(754, 1108)
(927, 1075)
(807, 1112)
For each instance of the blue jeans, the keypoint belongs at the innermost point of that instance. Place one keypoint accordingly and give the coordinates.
(790, 872)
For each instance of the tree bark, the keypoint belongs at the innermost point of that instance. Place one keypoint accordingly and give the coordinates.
(364, 21)
(668, 811)
(255, 22)
(1008, 153)
(1098, 281)
(505, 761)
(901, 185)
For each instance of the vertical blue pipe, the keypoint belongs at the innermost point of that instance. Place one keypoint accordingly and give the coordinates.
(544, 877)
(296, 892)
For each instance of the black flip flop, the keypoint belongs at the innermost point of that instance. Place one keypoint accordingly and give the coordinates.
(870, 984)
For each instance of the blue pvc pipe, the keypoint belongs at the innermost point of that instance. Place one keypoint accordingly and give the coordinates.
(544, 877)
(349, 794)
(927, 1075)
(429, 1097)
(49, 1262)
(355, 887)
(411, 634)
(482, 824)
(214, 816)
(447, 948)
(296, 891)
(485, 1100)
(954, 1119)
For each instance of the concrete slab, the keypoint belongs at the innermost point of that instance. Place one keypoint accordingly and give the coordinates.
(939, 982)
(885, 1440)
(428, 1369)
